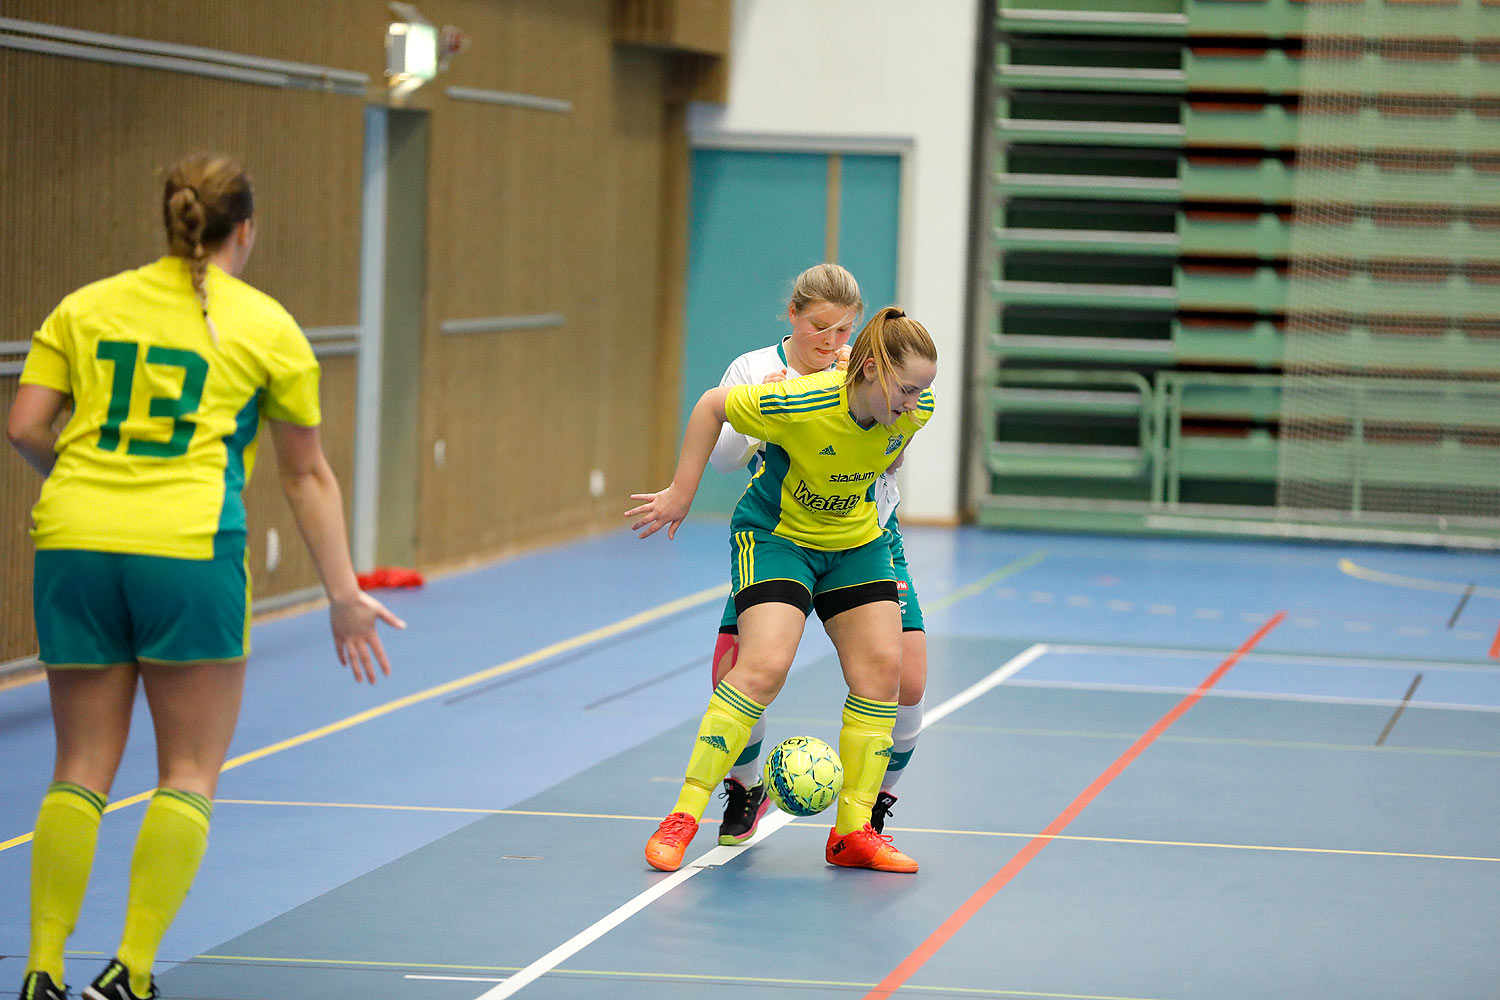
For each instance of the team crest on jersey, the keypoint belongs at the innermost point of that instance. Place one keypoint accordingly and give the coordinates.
(894, 442)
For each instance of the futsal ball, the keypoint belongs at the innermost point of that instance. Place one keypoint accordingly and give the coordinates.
(803, 776)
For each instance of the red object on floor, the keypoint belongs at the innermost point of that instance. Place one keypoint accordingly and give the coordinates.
(389, 576)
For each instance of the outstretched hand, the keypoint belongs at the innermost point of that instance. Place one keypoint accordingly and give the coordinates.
(779, 375)
(658, 510)
(354, 636)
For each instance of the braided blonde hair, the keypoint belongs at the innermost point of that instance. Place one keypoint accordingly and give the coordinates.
(205, 197)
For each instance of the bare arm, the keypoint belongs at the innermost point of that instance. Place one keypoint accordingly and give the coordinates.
(667, 508)
(30, 425)
(317, 505)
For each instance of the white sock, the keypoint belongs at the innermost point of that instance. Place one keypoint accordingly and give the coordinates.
(747, 769)
(903, 741)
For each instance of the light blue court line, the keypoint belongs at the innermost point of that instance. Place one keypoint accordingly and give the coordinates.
(1252, 696)
(1404, 664)
(1274, 676)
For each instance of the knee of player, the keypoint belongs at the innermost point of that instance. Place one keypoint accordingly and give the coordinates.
(881, 666)
(758, 677)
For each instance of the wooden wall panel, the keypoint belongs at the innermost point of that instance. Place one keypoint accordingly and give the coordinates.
(537, 212)
(528, 212)
(80, 156)
(700, 26)
(19, 484)
(671, 301)
(343, 34)
(83, 181)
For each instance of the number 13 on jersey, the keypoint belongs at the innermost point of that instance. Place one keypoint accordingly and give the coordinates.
(122, 355)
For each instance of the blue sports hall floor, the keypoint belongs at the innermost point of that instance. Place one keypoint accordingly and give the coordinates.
(1153, 769)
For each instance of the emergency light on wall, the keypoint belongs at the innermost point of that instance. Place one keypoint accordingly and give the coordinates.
(411, 56)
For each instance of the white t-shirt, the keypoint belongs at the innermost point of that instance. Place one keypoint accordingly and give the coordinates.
(734, 450)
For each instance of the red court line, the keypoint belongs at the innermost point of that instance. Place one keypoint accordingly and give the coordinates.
(1495, 646)
(898, 977)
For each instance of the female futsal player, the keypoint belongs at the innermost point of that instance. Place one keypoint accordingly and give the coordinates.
(141, 574)
(805, 536)
(825, 304)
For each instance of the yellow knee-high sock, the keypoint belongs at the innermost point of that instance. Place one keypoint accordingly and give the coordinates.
(865, 748)
(62, 852)
(171, 843)
(722, 734)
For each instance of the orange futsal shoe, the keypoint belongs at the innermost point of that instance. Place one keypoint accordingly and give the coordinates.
(669, 843)
(864, 848)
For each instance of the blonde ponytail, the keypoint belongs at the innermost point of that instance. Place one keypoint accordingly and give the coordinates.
(890, 337)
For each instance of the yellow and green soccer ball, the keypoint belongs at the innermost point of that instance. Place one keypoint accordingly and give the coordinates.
(803, 776)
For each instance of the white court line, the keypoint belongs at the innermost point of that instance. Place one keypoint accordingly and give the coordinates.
(1012, 667)
(1354, 569)
(721, 855)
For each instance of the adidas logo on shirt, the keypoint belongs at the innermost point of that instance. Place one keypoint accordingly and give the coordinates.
(828, 451)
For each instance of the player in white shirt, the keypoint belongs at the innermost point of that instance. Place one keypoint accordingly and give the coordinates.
(825, 305)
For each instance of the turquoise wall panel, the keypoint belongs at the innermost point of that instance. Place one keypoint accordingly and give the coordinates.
(869, 224)
(758, 220)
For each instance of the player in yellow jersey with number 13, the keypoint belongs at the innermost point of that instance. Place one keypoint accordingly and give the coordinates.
(141, 574)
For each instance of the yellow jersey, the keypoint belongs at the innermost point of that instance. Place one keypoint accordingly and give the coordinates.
(814, 487)
(162, 436)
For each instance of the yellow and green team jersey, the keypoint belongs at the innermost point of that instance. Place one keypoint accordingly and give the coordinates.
(162, 436)
(814, 486)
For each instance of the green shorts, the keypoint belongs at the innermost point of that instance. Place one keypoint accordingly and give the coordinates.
(100, 609)
(906, 591)
(764, 568)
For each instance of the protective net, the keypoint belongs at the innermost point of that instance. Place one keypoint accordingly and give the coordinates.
(1390, 410)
